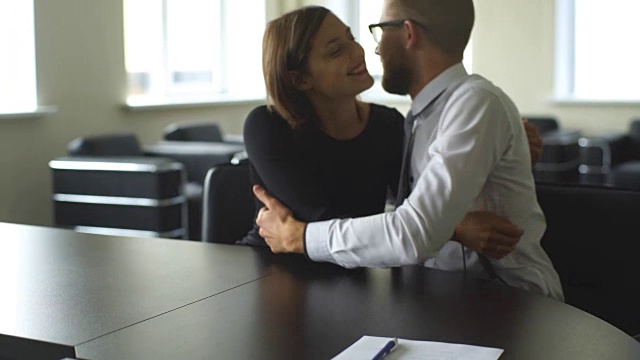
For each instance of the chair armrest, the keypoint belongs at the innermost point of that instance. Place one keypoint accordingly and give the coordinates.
(560, 146)
(137, 196)
(555, 135)
(604, 150)
(140, 177)
(237, 139)
(620, 147)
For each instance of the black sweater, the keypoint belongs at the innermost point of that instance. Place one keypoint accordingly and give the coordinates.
(321, 178)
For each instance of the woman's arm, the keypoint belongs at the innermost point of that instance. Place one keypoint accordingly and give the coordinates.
(283, 168)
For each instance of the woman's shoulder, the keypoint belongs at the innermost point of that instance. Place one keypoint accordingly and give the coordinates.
(386, 115)
(263, 113)
(263, 120)
(385, 111)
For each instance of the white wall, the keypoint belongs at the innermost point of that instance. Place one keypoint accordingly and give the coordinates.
(79, 47)
(514, 47)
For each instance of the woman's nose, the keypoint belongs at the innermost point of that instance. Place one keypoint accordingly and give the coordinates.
(357, 51)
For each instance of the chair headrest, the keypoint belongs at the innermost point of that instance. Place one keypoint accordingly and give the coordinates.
(193, 132)
(105, 145)
(634, 129)
(544, 124)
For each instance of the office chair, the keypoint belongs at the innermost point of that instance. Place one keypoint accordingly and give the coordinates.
(228, 203)
(209, 132)
(198, 157)
(560, 151)
(613, 158)
(106, 185)
(544, 124)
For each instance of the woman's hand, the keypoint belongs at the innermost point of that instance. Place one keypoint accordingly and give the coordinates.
(282, 232)
(488, 234)
(535, 142)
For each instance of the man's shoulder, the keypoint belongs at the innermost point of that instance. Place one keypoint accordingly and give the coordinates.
(476, 89)
(480, 85)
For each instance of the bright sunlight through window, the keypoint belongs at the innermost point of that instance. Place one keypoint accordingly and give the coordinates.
(18, 62)
(193, 50)
(598, 53)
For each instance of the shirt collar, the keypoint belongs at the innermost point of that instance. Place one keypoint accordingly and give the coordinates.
(436, 86)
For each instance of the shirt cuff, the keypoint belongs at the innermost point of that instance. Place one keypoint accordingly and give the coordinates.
(304, 241)
(316, 241)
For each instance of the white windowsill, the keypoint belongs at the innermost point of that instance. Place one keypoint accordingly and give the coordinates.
(144, 103)
(40, 111)
(155, 103)
(564, 101)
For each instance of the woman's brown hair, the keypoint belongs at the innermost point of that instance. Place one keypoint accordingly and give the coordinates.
(285, 50)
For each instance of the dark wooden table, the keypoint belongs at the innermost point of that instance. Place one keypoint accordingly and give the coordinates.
(101, 297)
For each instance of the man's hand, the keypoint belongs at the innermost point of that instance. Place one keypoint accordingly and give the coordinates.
(488, 234)
(282, 232)
(535, 142)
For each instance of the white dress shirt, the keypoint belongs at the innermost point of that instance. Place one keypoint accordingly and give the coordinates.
(469, 153)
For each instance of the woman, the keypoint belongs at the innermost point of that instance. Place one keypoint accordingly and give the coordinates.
(317, 148)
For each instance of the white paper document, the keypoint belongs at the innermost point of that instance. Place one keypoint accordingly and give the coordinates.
(368, 346)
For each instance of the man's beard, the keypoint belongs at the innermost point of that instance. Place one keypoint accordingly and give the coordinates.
(395, 79)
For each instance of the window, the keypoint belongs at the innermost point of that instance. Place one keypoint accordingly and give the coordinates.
(369, 13)
(18, 70)
(597, 56)
(193, 50)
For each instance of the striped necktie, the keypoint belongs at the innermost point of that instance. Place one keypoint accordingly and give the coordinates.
(404, 185)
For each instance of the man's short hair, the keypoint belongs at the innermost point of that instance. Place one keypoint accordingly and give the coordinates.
(449, 22)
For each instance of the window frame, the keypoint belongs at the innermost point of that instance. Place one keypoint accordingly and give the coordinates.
(170, 94)
(564, 72)
(26, 51)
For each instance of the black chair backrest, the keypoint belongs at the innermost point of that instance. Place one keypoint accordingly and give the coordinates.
(105, 145)
(544, 124)
(228, 203)
(193, 132)
(634, 139)
(592, 238)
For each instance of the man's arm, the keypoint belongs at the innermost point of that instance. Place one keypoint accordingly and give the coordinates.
(481, 231)
(284, 234)
(473, 135)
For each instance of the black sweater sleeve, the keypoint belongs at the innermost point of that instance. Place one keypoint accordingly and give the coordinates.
(282, 168)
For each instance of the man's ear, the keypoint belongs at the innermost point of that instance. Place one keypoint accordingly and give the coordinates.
(411, 34)
(299, 81)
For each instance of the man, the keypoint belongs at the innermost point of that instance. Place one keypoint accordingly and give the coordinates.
(468, 151)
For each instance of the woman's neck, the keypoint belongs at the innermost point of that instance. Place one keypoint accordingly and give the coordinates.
(341, 120)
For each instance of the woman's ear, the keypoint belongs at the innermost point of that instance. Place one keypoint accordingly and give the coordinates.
(299, 81)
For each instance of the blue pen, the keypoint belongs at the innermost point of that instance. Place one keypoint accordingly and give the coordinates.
(386, 349)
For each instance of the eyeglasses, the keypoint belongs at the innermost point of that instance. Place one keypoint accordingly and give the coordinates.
(376, 29)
